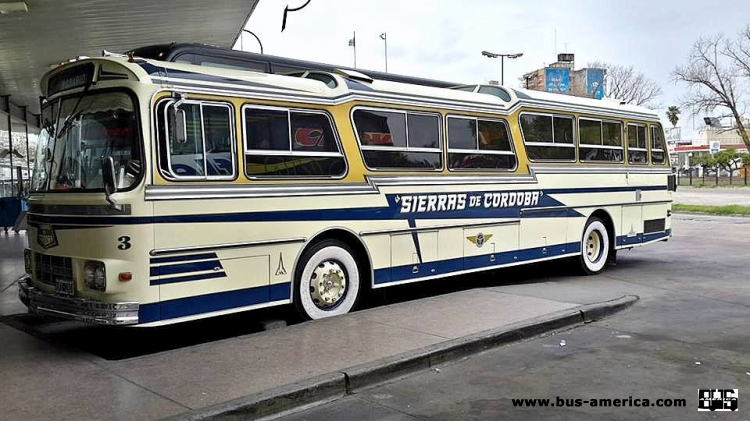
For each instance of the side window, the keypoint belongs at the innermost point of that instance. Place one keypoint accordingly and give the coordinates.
(399, 140)
(637, 148)
(548, 137)
(479, 144)
(284, 143)
(208, 150)
(658, 153)
(600, 140)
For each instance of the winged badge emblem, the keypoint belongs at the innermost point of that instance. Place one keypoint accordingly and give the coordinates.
(479, 239)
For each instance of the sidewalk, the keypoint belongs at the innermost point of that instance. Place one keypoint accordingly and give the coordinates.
(49, 382)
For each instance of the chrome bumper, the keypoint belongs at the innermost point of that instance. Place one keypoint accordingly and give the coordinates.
(79, 309)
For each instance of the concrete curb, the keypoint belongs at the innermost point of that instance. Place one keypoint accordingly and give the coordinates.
(332, 386)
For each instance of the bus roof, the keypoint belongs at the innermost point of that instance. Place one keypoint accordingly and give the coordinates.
(208, 55)
(345, 85)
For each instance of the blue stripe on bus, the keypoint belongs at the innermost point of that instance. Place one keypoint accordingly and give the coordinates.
(442, 267)
(172, 259)
(351, 214)
(226, 300)
(186, 267)
(624, 240)
(197, 277)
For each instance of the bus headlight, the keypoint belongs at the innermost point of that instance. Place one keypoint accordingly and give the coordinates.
(27, 260)
(94, 276)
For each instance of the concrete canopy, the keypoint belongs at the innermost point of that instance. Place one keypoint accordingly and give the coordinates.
(53, 31)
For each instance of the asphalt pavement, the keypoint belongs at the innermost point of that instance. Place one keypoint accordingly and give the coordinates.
(713, 196)
(689, 331)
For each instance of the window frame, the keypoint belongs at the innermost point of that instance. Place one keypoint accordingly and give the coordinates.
(478, 151)
(663, 149)
(602, 145)
(291, 152)
(362, 148)
(163, 119)
(553, 143)
(636, 149)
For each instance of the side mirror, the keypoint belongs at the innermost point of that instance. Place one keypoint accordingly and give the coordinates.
(178, 124)
(108, 175)
(110, 180)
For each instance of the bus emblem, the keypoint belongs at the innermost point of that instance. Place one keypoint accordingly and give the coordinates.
(45, 236)
(479, 239)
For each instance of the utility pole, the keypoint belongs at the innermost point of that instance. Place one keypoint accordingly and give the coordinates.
(384, 37)
(353, 43)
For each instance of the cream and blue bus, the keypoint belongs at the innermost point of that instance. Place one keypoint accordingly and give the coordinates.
(165, 192)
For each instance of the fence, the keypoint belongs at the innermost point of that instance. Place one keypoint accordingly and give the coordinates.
(716, 178)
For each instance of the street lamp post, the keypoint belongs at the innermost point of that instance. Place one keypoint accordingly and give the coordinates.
(502, 62)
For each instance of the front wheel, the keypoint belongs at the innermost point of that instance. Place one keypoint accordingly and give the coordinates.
(326, 281)
(595, 247)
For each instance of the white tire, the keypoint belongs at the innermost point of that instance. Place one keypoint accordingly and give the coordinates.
(595, 247)
(328, 282)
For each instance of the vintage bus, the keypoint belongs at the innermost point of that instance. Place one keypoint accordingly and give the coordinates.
(165, 192)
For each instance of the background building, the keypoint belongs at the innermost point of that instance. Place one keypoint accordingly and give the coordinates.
(561, 77)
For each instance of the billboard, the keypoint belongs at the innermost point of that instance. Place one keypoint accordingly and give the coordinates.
(557, 80)
(595, 83)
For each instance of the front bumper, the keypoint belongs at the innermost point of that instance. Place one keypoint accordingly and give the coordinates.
(80, 309)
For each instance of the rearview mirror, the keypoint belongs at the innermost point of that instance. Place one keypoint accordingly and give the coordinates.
(108, 175)
(109, 180)
(178, 123)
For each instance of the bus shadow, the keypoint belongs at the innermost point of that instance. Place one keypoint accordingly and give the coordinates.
(112, 343)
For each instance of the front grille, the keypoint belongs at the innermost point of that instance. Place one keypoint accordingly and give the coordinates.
(49, 268)
(654, 225)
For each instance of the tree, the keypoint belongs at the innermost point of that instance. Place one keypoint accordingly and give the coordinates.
(705, 161)
(728, 160)
(628, 85)
(714, 76)
(673, 115)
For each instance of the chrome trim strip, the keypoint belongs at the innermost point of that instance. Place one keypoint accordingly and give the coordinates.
(600, 205)
(159, 252)
(439, 227)
(78, 209)
(82, 310)
(609, 169)
(168, 192)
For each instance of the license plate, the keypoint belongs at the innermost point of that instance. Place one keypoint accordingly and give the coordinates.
(64, 286)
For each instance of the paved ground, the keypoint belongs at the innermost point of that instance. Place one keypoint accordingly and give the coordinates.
(689, 313)
(713, 196)
(689, 331)
(11, 268)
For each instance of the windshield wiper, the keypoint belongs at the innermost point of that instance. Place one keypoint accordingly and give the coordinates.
(74, 113)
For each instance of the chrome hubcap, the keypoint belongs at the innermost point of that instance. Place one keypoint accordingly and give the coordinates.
(593, 246)
(327, 284)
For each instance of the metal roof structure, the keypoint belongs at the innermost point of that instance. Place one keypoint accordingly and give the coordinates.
(52, 31)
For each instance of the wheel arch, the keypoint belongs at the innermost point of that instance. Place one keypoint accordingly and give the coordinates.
(608, 223)
(348, 237)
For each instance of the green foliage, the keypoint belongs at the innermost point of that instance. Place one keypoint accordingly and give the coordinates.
(728, 160)
(744, 158)
(673, 113)
(714, 210)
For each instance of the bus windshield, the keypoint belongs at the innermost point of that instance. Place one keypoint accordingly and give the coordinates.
(77, 132)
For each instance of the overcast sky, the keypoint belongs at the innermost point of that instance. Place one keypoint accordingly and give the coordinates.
(443, 39)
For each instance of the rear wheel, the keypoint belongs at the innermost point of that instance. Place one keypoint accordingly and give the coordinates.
(595, 247)
(327, 281)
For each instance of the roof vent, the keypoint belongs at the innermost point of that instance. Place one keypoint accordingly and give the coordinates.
(354, 75)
